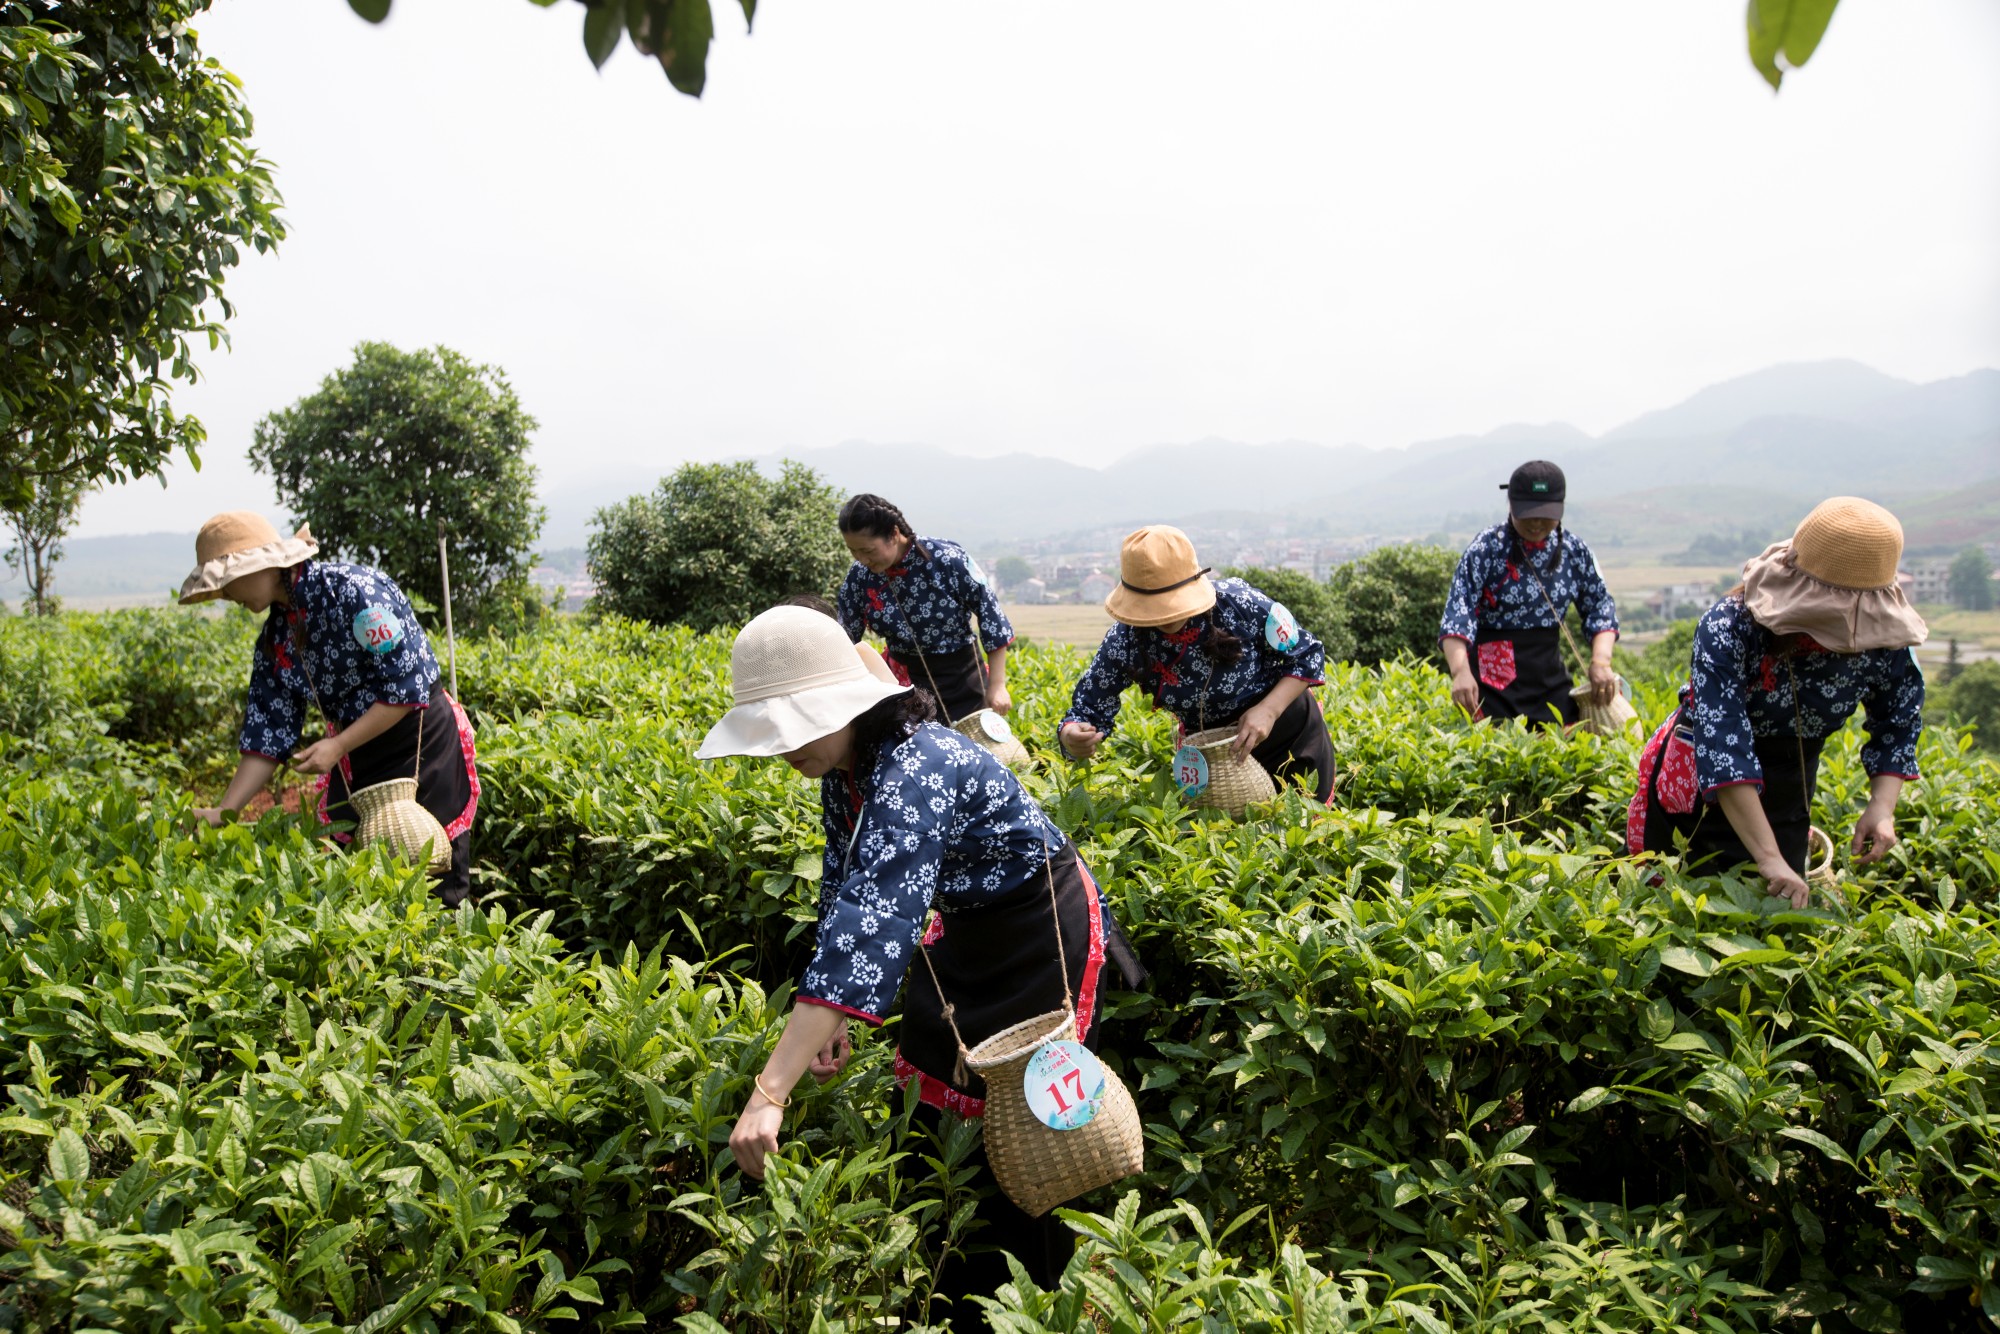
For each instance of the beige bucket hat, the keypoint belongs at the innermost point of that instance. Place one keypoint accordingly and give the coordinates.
(796, 678)
(237, 543)
(1159, 580)
(1835, 580)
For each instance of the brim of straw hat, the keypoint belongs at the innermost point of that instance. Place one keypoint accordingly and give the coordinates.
(783, 723)
(1150, 609)
(209, 578)
(1786, 600)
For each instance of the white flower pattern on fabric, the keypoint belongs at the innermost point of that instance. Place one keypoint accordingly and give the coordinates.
(914, 853)
(1492, 587)
(1739, 690)
(325, 600)
(924, 603)
(1174, 669)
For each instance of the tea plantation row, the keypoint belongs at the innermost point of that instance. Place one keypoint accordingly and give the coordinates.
(1439, 1058)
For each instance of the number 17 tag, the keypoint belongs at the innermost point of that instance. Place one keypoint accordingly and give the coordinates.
(1065, 1085)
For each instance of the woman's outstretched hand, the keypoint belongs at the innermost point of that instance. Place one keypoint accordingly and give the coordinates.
(756, 1135)
(1874, 834)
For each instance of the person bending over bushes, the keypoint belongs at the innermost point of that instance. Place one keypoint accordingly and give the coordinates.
(917, 818)
(345, 640)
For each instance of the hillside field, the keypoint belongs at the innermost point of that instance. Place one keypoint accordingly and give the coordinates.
(1439, 1058)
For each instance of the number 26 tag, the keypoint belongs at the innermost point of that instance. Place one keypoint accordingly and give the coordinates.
(1065, 1085)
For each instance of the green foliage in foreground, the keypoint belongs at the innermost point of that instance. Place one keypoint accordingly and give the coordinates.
(1440, 1058)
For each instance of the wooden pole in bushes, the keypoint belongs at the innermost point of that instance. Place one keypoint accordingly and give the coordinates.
(450, 640)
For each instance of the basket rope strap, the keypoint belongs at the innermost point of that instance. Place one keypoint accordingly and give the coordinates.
(297, 629)
(1805, 790)
(924, 662)
(1562, 622)
(960, 1075)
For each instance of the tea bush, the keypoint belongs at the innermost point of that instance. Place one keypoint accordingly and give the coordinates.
(1442, 1057)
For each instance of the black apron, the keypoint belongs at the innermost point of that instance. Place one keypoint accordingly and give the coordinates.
(1521, 675)
(997, 965)
(1712, 842)
(960, 678)
(444, 784)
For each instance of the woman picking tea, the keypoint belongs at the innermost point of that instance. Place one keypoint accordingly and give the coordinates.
(917, 818)
(1818, 629)
(919, 594)
(341, 639)
(1214, 653)
(1504, 615)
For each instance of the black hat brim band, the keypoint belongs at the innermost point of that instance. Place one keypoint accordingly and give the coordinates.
(1167, 588)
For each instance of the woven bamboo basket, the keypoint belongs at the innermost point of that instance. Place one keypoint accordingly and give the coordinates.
(1038, 1167)
(1233, 784)
(1605, 719)
(992, 731)
(389, 813)
(1819, 859)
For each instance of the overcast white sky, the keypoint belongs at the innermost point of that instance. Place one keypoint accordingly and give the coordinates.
(1078, 229)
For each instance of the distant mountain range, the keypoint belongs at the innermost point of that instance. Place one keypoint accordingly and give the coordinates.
(1750, 452)
(1741, 452)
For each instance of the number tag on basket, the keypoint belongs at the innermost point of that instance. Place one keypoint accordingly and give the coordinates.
(1191, 771)
(996, 727)
(1065, 1085)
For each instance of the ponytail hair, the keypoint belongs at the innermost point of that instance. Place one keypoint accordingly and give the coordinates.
(869, 513)
(886, 725)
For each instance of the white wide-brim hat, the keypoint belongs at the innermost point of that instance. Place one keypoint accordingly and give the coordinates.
(795, 677)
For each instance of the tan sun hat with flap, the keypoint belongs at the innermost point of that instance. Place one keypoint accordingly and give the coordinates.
(1835, 580)
(237, 543)
(1159, 580)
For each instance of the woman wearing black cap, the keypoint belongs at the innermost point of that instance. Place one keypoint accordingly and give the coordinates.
(1503, 619)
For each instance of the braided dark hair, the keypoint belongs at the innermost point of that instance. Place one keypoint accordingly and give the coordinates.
(869, 513)
(886, 725)
(1223, 649)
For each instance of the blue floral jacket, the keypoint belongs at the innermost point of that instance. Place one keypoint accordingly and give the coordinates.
(1176, 671)
(924, 603)
(940, 822)
(350, 635)
(1493, 587)
(1739, 690)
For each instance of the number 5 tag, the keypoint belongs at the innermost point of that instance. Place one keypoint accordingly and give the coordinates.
(1064, 1084)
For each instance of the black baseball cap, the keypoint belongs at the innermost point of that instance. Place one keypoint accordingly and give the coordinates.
(1536, 491)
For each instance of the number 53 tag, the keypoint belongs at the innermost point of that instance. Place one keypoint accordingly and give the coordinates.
(1064, 1084)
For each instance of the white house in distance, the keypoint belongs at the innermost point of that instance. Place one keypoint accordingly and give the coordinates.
(1930, 580)
(1096, 587)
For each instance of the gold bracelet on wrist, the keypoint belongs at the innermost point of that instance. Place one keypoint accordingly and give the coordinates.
(779, 1103)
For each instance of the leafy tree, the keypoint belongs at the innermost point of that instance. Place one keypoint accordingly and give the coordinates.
(674, 32)
(38, 527)
(396, 443)
(1971, 580)
(1012, 571)
(1974, 697)
(128, 188)
(1392, 600)
(1308, 599)
(716, 543)
(1783, 34)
